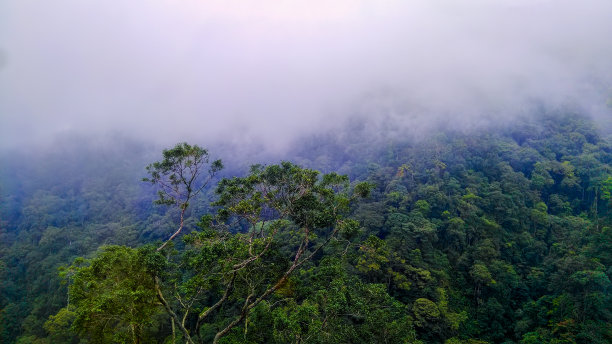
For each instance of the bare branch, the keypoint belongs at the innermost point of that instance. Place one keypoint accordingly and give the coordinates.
(160, 297)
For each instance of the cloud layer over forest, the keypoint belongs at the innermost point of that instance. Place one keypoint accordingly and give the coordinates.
(267, 71)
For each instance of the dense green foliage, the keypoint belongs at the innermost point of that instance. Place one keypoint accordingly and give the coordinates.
(499, 236)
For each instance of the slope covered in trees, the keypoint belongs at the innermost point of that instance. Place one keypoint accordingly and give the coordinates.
(496, 236)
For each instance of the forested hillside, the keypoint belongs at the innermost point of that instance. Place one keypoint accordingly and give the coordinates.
(501, 235)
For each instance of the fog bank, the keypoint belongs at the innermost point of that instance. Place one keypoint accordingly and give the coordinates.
(266, 72)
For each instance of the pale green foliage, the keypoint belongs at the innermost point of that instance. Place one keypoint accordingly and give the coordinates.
(481, 274)
(112, 298)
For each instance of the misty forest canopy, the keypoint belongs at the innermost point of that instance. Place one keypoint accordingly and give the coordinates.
(494, 236)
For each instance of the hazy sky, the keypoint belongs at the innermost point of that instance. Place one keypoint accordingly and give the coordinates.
(270, 70)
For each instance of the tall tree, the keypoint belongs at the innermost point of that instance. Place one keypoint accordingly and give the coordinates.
(268, 225)
(182, 174)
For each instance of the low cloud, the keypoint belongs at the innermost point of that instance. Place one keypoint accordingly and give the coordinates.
(270, 71)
